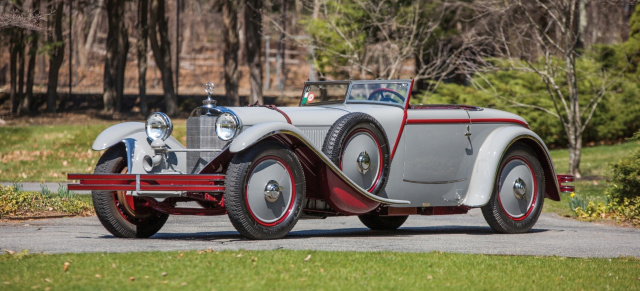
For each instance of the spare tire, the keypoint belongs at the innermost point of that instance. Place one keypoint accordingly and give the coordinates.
(358, 145)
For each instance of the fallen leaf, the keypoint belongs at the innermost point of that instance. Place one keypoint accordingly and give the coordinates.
(47, 280)
(429, 277)
(164, 282)
(184, 284)
(9, 252)
(307, 258)
(113, 265)
(98, 276)
(66, 266)
(239, 255)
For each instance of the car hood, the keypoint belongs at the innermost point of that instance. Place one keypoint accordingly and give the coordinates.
(300, 116)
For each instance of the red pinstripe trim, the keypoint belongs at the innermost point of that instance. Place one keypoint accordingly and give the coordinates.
(478, 120)
(437, 121)
(404, 121)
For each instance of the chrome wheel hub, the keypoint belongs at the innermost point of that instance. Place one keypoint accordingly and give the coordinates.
(520, 189)
(272, 191)
(363, 162)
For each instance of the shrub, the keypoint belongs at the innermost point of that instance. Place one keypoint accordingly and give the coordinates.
(624, 180)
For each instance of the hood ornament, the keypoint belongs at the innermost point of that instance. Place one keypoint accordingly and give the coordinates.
(209, 102)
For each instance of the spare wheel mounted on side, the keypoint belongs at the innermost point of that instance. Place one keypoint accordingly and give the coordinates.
(358, 145)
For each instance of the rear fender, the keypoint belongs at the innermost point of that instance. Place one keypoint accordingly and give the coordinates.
(134, 138)
(338, 190)
(485, 169)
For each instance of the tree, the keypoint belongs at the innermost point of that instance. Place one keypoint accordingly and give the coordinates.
(253, 41)
(141, 47)
(376, 39)
(543, 37)
(55, 50)
(25, 106)
(158, 28)
(231, 48)
(116, 58)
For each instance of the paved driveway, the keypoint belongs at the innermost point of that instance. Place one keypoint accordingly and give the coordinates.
(553, 235)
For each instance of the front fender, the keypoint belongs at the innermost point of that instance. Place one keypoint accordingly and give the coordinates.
(341, 191)
(485, 169)
(134, 138)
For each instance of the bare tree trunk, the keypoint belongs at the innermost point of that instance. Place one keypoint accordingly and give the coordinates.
(162, 53)
(282, 46)
(21, 65)
(56, 54)
(25, 106)
(116, 58)
(92, 33)
(14, 55)
(141, 46)
(231, 47)
(253, 41)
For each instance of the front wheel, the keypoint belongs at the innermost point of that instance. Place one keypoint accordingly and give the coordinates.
(119, 212)
(265, 188)
(518, 194)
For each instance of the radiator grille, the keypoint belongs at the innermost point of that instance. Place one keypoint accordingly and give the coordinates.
(201, 134)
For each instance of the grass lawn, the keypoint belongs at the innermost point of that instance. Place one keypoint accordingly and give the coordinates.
(304, 270)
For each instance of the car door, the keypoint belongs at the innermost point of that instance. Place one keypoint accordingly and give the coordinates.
(438, 154)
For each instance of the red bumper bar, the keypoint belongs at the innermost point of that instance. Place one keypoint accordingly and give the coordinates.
(566, 179)
(148, 182)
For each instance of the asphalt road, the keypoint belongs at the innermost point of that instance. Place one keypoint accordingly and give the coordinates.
(552, 235)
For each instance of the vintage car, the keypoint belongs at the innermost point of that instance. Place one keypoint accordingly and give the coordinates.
(349, 148)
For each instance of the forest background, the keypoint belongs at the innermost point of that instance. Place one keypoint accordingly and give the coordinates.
(570, 67)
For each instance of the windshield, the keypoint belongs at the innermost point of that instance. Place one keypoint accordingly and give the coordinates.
(385, 92)
(315, 94)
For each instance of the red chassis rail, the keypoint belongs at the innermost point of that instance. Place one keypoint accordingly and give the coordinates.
(149, 182)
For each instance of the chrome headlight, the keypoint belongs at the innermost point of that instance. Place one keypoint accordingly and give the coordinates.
(226, 126)
(158, 126)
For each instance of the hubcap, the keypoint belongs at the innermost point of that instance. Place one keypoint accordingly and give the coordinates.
(520, 189)
(517, 188)
(364, 162)
(272, 191)
(363, 148)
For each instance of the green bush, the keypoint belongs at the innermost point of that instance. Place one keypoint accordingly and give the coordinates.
(622, 196)
(625, 178)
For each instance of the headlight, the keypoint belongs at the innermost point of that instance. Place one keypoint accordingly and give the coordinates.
(158, 126)
(226, 126)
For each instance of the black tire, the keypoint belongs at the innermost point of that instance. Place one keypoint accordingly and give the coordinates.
(376, 222)
(252, 212)
(113, 210)
(518, 194)
(362, 126)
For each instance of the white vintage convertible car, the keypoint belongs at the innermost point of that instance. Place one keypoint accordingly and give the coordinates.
(349, 148)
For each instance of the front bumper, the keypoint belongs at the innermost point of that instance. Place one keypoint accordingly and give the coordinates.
(140, 183)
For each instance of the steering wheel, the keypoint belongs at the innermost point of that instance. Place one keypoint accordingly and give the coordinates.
(379, 95)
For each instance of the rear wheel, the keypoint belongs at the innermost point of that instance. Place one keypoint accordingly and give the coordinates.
(376, 222)
(518, 194)
(265, 188)
(119, 212)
